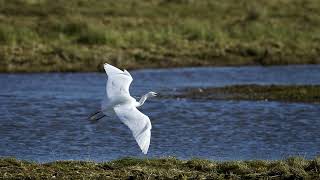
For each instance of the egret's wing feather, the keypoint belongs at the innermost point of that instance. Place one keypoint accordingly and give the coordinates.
(138, 123)
(118, 85)
(111, 69)
(118, 82)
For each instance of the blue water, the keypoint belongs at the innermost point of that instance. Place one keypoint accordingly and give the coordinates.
(44, 116)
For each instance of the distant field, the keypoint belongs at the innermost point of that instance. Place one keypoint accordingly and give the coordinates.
(80, 35)
(166, 168)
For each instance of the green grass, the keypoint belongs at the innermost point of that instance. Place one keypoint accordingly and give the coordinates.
(80, 35)
(164, 168)
(289, 93)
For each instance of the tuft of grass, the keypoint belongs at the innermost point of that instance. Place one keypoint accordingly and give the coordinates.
(163, 168)
(11, 36)
(158, 33)
(291, 93)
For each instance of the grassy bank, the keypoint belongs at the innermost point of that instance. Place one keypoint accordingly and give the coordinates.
(167, 168)
(290, 93)
(80, 35)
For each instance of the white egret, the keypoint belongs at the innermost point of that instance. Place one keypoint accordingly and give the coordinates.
(119, 100)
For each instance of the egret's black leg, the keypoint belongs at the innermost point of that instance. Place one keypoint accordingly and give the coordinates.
(96, 116)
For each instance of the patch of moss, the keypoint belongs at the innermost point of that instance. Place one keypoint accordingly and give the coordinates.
(164, 168)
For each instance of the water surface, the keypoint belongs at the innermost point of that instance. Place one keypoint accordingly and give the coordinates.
(44, 116)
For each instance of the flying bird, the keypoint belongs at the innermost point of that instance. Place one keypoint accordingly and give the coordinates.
(120, 101)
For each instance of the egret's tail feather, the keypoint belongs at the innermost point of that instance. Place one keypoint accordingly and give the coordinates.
(96, 116)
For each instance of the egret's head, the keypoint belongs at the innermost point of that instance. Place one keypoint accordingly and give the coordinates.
(144, 97)
(152, 93)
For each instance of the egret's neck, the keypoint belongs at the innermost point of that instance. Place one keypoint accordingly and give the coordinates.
(143, 99)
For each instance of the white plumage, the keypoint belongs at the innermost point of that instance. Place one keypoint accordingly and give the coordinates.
(125, 106)
(138, 123)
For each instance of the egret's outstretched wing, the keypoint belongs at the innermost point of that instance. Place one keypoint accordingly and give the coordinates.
(111, 69)
(138, 123)
(118, 82)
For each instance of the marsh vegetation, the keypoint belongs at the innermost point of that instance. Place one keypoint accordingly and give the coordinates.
(289, 93)
(79, 35)
(164, 168)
